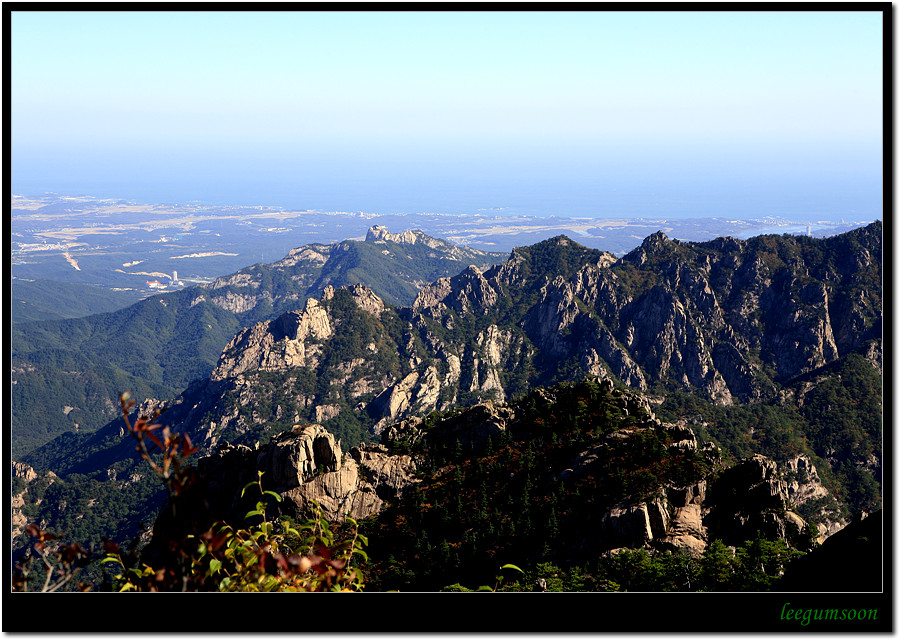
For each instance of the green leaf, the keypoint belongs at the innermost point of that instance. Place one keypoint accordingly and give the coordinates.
(511, 566)
(214, 565)
(112, 559)
(274, 495)
(252, 513)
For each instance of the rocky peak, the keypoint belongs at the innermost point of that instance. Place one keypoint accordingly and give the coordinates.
(311, 254)
(473, 292)
(655, 245)
(380, 233)
(303, 465)
(432, 294)
(276, 345)
(366, 299)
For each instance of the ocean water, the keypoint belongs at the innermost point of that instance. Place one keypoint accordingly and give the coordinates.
(495, 185)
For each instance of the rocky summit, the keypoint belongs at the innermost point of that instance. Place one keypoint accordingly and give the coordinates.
(763, 354)
(733, 321)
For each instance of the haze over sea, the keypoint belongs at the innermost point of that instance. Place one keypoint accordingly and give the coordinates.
(602, 186)
(665, 114)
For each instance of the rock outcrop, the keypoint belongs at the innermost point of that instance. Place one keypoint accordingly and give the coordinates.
(306, 465)
(22, 477)
(379, 233)
(805, 487)
(751, 498)
(747, 500)
(277, 345)
(734, 320)
(730, 319)
(721, 317)
(635, 525)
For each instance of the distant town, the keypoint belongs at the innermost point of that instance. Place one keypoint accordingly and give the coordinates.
(147, 248)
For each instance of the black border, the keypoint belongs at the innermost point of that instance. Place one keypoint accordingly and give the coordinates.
(473, 612)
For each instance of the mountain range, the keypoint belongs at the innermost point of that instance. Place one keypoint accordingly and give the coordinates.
(760, 354)
(68, 373)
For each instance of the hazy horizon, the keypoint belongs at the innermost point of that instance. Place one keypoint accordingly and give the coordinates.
(582, 114)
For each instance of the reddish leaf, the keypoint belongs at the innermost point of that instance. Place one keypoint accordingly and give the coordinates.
(110, 547)
(189, 448)
(155, 441)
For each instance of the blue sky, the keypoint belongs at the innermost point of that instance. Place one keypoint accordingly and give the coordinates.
(530, 91)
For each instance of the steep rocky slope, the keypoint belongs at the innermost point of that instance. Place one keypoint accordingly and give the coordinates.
(615, 476)
(768, 321)
(734, 321)
(67, 373)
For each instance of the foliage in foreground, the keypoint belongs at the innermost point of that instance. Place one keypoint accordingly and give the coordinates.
(282, 555)
(264, 556)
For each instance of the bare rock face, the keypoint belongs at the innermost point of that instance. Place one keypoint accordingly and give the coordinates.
(635, 525)
(751, 497)
(804, 483)
(433, 294)
(744, 501)
(18, 519)
(240, 303)
(803, 486)
(366, 299)
(22, 470)
(394, 401)
(306, 254)
(235, 280)
(339, 494)
(290, 462)
(473, 293)
(275, 345)
(326, 412)
(360, 484)
(686, 529)
(302, 466)
(380, 233)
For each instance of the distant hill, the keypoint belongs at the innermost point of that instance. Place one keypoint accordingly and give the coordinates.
(67, 373)
(50, 300)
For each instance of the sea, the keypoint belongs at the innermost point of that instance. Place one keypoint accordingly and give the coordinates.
(653, 190)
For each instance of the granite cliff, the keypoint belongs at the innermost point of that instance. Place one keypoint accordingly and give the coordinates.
(765, 322)
(733, 321)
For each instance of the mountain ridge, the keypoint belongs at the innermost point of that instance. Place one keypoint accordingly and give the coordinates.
(164, 342)
(553, 313)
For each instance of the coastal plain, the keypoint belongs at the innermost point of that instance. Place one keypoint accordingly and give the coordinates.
(88, 240)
